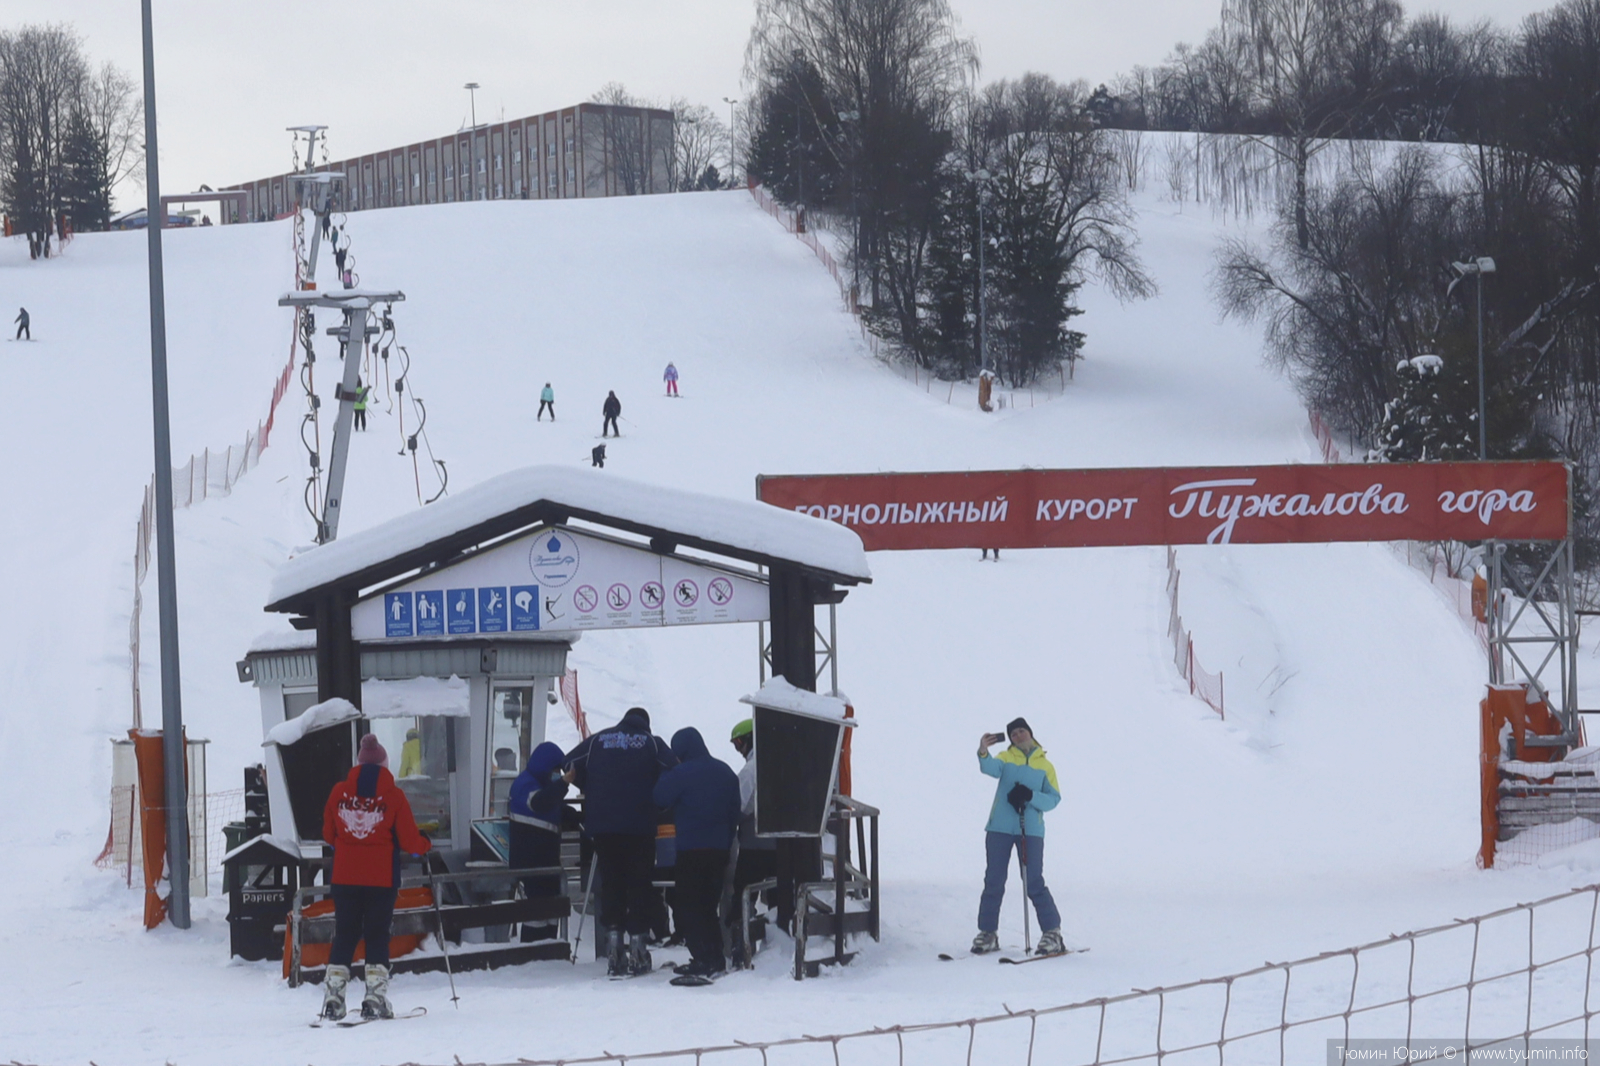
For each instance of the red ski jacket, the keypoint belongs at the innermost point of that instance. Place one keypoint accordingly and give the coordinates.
(368, 821)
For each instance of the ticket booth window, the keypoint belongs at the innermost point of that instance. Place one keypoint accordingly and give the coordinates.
(510, 740)
(419, 757)
(297, 701)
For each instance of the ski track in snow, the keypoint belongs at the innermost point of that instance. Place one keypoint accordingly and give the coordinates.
(1337, 805)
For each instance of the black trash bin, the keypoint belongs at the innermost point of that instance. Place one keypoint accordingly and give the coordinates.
(262, 876)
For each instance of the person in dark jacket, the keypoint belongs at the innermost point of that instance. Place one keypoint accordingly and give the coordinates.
(703, 794)
(368, 822)
(617, 770)
(22, 326)
(612, 410)
(537, 808)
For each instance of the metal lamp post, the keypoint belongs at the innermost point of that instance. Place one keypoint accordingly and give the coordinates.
(733, 141)
(472, 88)
(172, 754)
(855, 210)
(981, 179)
(1477, 268)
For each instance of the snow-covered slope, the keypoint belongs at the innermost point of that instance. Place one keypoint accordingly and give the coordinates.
(1339, 805)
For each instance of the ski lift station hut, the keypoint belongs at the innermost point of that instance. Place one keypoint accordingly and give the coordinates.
(445, 630)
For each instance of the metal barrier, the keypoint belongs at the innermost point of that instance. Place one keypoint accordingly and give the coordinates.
(1500, 980)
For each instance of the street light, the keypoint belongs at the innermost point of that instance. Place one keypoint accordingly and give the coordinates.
(472, 90)
(733, 142)
(981, 179)
(1476, 268)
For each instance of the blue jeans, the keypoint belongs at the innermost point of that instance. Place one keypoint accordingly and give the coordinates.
(999, 847)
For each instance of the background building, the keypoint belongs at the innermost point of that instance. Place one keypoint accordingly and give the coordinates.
(582, 151)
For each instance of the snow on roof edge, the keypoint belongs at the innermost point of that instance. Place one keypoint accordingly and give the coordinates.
(746, 524)
(777, 693)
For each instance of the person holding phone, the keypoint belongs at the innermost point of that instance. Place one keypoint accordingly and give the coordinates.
(1027, 788)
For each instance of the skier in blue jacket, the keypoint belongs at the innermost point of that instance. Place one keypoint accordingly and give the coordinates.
(537, 807)
(702, 792)
(617, 769)
(1027, 788)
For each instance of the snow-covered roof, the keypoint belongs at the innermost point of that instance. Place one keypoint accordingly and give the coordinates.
(285, 639)
(416, 697)
(778, 694)
(317, 716)
(745, 529)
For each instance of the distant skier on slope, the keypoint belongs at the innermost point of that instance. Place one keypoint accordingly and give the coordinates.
(368, 821)
(670, 376)
(597, 456)
(1026, 790)
(547, 400)
(612, 410)
(22, 324)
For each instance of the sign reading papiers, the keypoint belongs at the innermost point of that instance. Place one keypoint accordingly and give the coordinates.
(558, 580)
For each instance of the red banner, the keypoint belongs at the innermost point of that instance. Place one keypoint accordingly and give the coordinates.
(1198, 505)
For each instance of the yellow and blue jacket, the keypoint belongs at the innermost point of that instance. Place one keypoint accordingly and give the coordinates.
(1034, 770)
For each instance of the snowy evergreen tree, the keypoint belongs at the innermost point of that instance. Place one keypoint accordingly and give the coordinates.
(85, 184)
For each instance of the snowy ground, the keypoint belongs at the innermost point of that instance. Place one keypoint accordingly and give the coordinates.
(1337, 804)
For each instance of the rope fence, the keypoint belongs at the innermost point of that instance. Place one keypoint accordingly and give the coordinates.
(1041, 391)
(1202, 682)
(1490, 989)
(210, 473)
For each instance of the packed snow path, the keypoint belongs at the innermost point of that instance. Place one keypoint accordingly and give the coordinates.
(1338, 803)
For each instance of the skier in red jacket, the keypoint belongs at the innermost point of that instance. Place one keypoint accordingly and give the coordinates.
(368, 821)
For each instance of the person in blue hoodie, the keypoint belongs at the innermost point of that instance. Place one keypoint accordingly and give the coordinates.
(537, 808)
(702, 792)
(617, 769)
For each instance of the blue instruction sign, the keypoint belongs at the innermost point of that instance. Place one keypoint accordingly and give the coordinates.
(430, 614)
(462, 615)
(524, 608)
(492, 610)
(397, 616)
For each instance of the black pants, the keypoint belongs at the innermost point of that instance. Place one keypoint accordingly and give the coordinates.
(611, 423)
(361, 912)
(533, 847)
(699, 889)
(626, 862)
(361, 419)
(23, 328)
(551, 405)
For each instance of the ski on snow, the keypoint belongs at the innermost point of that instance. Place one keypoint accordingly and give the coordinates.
(947, 957)
(353, 1020)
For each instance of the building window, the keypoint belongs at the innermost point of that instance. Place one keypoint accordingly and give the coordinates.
(516, 157)
(449, 171)
(571, 144)
(552, 152)
(555, 182)
(483, 165)
(499, 164)
(499, 191)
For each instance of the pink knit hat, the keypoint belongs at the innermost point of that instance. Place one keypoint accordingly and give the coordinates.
(371, 751)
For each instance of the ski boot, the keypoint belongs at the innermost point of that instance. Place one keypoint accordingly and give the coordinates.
(1050, 943)
(616, 960)
(375, 1004)
(985, 943)
(638, 955)
(334, 983)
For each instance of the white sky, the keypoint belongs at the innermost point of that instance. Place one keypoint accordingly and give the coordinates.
(232, 75)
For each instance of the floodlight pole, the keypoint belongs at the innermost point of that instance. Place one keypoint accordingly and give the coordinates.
(733, 142)
(174, 776)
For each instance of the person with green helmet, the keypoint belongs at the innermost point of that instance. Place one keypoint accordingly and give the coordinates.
(758, 858)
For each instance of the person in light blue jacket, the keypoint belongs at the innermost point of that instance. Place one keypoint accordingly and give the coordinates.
(1027, 788)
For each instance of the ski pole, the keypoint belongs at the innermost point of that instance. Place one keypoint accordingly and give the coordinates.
(594, 864)
(1027, 934)
(438, 916)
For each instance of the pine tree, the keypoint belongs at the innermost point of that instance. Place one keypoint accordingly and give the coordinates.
(85, 185)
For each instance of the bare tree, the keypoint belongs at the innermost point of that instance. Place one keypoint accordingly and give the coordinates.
(42, 76)
(625, 137)
(115, 109)
(1316, 68)
(699, 139)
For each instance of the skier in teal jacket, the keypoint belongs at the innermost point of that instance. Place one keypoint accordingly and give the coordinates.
(1027, 788)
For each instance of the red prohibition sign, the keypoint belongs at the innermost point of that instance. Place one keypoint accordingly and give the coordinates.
(651, 594)
(585, 598)
(686, 593)
(618, 597)
(720, 591)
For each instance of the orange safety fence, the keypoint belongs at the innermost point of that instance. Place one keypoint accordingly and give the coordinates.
(1507, 705)
(419, 898)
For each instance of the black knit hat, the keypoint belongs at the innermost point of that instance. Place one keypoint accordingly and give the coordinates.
(1018, 723)
(638, 714)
